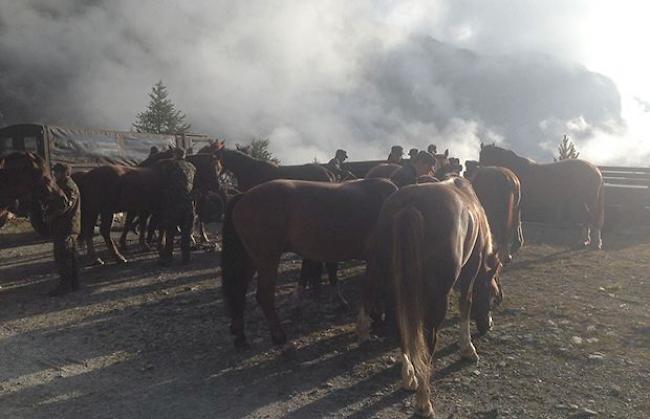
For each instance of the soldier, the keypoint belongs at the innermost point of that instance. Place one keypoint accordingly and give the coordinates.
(396, 153)
(62, 214)
(177, 209)
(412, 153)
(336, 166)
(432, 149)
(471, 167)
(456, 167)
(424, 164)
(153, 151)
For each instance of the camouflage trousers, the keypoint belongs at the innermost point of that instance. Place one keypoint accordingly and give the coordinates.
(66, 260)
(175, 217)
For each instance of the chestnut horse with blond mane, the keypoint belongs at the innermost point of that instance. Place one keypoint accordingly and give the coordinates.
(429, 238)
(556, 186)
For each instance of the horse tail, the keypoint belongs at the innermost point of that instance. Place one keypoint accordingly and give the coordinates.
(408, 237)
(234, 262)
(514, 215)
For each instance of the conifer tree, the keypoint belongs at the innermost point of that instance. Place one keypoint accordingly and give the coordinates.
(567, 150)
(161, 116)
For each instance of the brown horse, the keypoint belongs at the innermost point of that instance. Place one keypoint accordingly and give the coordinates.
(570, 183)
(430, 237)
(322, 221)
(499, 191)
(251, 172)
(109, 189)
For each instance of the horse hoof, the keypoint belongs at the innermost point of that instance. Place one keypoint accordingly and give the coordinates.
(425, 411)
(96, 262)
(241, 343)
(469, 354)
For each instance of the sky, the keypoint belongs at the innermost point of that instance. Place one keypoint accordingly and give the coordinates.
(314, 76)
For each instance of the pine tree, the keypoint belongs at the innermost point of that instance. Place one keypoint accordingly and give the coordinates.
(567, 150)
(161, 116)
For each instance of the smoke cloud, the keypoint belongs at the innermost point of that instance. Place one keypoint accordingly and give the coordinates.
(312, 76)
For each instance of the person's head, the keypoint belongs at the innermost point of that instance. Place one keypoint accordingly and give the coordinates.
(432, 149)
(413, 152)
(424, 164)
(397, 150)
(60, 171)
(341, 155)
(153, 150)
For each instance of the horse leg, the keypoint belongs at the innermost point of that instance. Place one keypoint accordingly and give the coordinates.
(142, 229)
(128, 219)
(186, 233)
(151, 229)
(467, 349)
(166, 251)
(105, 229)
(87, 233)
(332, 271)
(266, 299)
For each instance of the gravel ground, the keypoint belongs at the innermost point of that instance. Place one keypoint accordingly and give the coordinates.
(572, 339)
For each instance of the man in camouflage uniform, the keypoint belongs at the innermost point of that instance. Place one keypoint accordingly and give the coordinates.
(336, 166)
(432, 149)
(423, 164)
(412, 154)
(396, 153)
(62, 214)
(177, 206)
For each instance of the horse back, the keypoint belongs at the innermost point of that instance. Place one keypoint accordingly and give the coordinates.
(312, 172)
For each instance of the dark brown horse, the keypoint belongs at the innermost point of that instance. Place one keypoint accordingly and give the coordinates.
(499, 191)
(430, 237)
(250, 171)
(20, 175)
(109, 189)
(383, 170)
(556, 186)
(321, 221)
(24, 176)
(144, 217)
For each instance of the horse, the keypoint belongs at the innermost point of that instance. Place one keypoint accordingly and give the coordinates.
(499, 191)
(24, 175)
(321, 221)
(144, 216)
(430, 237)
(109, 189)
(251, 172)
(556, 186)
(20, 174)
(383, 170)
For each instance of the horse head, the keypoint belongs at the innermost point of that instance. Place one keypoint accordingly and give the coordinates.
(493, 155)
(487, 292)
(21, 175)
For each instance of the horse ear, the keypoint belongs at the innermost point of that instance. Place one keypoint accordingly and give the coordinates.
(481, 145)
(446, 153)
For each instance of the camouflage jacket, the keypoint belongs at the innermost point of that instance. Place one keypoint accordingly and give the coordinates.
(62, 212)
(178, 177)
(405, 175)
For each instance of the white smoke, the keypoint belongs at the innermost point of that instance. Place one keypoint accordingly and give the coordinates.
(314, 76)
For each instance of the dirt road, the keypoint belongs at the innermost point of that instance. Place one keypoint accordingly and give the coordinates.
(572, 339)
